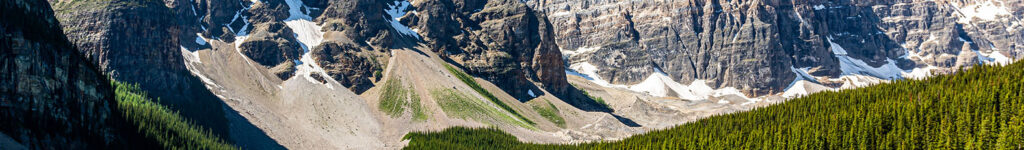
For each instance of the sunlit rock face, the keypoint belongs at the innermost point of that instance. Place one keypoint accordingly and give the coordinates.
(753, 44)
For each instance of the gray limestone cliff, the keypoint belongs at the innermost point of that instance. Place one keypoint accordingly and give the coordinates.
(753, 44)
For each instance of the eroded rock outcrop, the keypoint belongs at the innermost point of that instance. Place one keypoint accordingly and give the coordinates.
(503, 41)
(273, 44)
(352, 66)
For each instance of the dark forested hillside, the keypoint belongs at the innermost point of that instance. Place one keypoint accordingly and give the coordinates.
(978, 108)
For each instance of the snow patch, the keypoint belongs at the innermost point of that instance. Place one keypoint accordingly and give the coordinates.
(295, 10)
(658, 84)
(556, 14)
(855, 81)
(530, 92)
(580, 50)
(982, 10)
(802, 74)
(573, 72)
(995, 57)
(396, 12)
(836, 49)
(851, 66)
(590, 71)
(307, 32)
(309, 35)
(819, 7)
(796, 89)
(200, 39)
(920, 73)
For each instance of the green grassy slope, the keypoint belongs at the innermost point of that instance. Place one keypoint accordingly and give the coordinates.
(460, 105)
(160, 123)
(483, 92)
(979, 108)
(396, 97)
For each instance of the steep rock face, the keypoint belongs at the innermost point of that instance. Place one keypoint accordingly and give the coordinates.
(272, 44)
(735, 43)
(135, 41)
(358, 21)
(355, 46)
(506, 41)
(50, 96)
(503, 41)
(753, 44)
(352, 66)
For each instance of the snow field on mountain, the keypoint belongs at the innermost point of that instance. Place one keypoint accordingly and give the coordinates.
(659, 84)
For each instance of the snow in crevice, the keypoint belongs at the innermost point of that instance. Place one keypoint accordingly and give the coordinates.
(798, 16)
(397, 11)
(194, 10)
(295, 10)
(736, 36)
(530, 92)
(802, 74)
(309, 35)
(239, 17)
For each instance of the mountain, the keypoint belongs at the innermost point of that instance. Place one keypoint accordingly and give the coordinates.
(755, 45)
(52, 97)
(134, 42)
(361, 74)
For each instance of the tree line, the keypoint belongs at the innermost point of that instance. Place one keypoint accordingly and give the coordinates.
(976, 108)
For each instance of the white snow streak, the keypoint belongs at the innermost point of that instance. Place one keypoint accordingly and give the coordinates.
(396, 12)
(309, 35)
